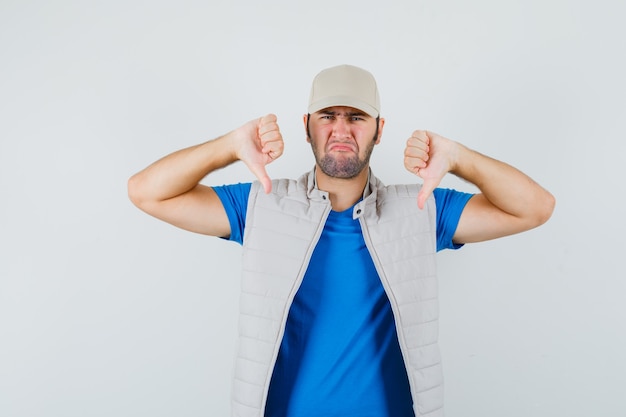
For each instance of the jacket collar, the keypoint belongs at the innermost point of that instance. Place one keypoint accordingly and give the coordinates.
(369, 192)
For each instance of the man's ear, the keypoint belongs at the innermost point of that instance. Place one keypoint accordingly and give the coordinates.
(381, 124)
(305, 120)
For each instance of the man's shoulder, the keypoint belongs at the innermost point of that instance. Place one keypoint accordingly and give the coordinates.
(286, 186)
(401, 190)
(280, 186)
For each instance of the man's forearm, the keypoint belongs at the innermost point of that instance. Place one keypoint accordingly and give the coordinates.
(180, 171)
(504, 186)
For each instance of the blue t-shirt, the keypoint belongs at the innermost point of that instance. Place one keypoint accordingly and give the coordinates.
(340, 355)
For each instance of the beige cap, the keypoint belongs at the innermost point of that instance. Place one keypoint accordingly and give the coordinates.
(345, 85)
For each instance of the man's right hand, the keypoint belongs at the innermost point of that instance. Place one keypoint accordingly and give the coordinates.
(258, 143)
(170, 189)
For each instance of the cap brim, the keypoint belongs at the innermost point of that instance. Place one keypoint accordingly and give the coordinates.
(342, 101)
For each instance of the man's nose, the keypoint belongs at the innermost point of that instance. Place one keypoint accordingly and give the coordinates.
(341, 127)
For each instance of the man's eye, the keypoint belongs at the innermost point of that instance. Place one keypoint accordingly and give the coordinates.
(327, 117)
(357, 118)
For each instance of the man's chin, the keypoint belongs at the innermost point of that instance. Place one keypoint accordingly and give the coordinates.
(340, 172)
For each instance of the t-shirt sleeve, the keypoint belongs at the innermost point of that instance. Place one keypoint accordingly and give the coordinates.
(450, 205)
(234, 198)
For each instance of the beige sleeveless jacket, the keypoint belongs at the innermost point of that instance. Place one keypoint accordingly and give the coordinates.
(282, 229)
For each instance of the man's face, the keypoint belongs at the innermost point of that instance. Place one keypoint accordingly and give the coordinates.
(342, 139)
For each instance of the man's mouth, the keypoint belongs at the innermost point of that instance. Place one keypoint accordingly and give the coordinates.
(341, 147)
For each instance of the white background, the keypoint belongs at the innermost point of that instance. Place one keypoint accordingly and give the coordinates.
(105, 311)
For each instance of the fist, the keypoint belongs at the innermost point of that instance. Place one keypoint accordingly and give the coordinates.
(270, 139)
(258, 143)
(416, 153)
(430, 157)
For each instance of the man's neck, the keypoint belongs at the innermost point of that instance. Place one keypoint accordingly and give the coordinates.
(344, 193)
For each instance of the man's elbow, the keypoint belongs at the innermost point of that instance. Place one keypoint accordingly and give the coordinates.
(544, 208)
(135, 191)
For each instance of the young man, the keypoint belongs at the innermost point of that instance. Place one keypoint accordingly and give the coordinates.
(339, 292)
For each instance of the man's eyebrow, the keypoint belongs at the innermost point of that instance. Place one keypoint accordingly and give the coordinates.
(348, 113)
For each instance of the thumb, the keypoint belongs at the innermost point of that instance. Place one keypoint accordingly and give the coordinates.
(259, 171)
(427, 189)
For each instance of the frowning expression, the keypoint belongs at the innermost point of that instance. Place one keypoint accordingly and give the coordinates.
(342, 139)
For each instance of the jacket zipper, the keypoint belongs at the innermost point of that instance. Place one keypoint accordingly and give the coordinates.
(392, 302)
(292, 294)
